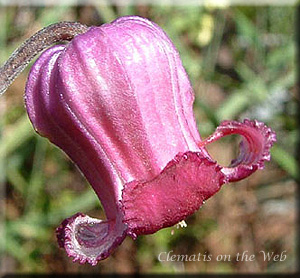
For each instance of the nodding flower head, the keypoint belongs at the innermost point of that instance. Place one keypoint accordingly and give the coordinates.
(117, 100)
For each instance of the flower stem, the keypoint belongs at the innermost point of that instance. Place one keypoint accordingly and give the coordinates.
(21, 57)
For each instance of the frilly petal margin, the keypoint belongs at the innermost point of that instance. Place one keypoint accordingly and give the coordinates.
(178, 191)
(191, 178)
(254, 148)
(88, 239)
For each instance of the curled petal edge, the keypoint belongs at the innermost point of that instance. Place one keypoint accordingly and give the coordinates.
(178, 191)
(88, 239)
(254, 147)
(191, 178)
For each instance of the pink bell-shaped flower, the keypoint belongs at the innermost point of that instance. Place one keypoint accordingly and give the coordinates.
(118, 102)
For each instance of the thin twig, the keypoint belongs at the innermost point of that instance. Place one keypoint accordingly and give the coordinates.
(21, 57)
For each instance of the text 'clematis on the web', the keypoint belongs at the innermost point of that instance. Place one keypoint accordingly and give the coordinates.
(117, 100)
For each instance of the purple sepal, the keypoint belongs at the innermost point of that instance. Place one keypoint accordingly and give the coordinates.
(88, 239)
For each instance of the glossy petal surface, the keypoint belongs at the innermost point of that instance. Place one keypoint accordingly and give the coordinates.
(118, 102)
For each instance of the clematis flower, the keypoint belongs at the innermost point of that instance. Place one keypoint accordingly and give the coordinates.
(118, 102)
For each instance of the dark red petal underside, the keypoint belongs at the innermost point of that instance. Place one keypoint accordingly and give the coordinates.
(254, 148)
(180, 189)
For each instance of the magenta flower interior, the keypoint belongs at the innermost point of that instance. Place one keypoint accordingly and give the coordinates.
(119, 103)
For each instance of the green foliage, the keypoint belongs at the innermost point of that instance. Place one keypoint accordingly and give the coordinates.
(247, 53)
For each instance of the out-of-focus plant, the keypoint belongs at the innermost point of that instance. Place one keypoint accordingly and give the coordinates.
(245, 68)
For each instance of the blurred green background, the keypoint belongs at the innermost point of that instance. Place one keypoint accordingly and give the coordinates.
(241, 62)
